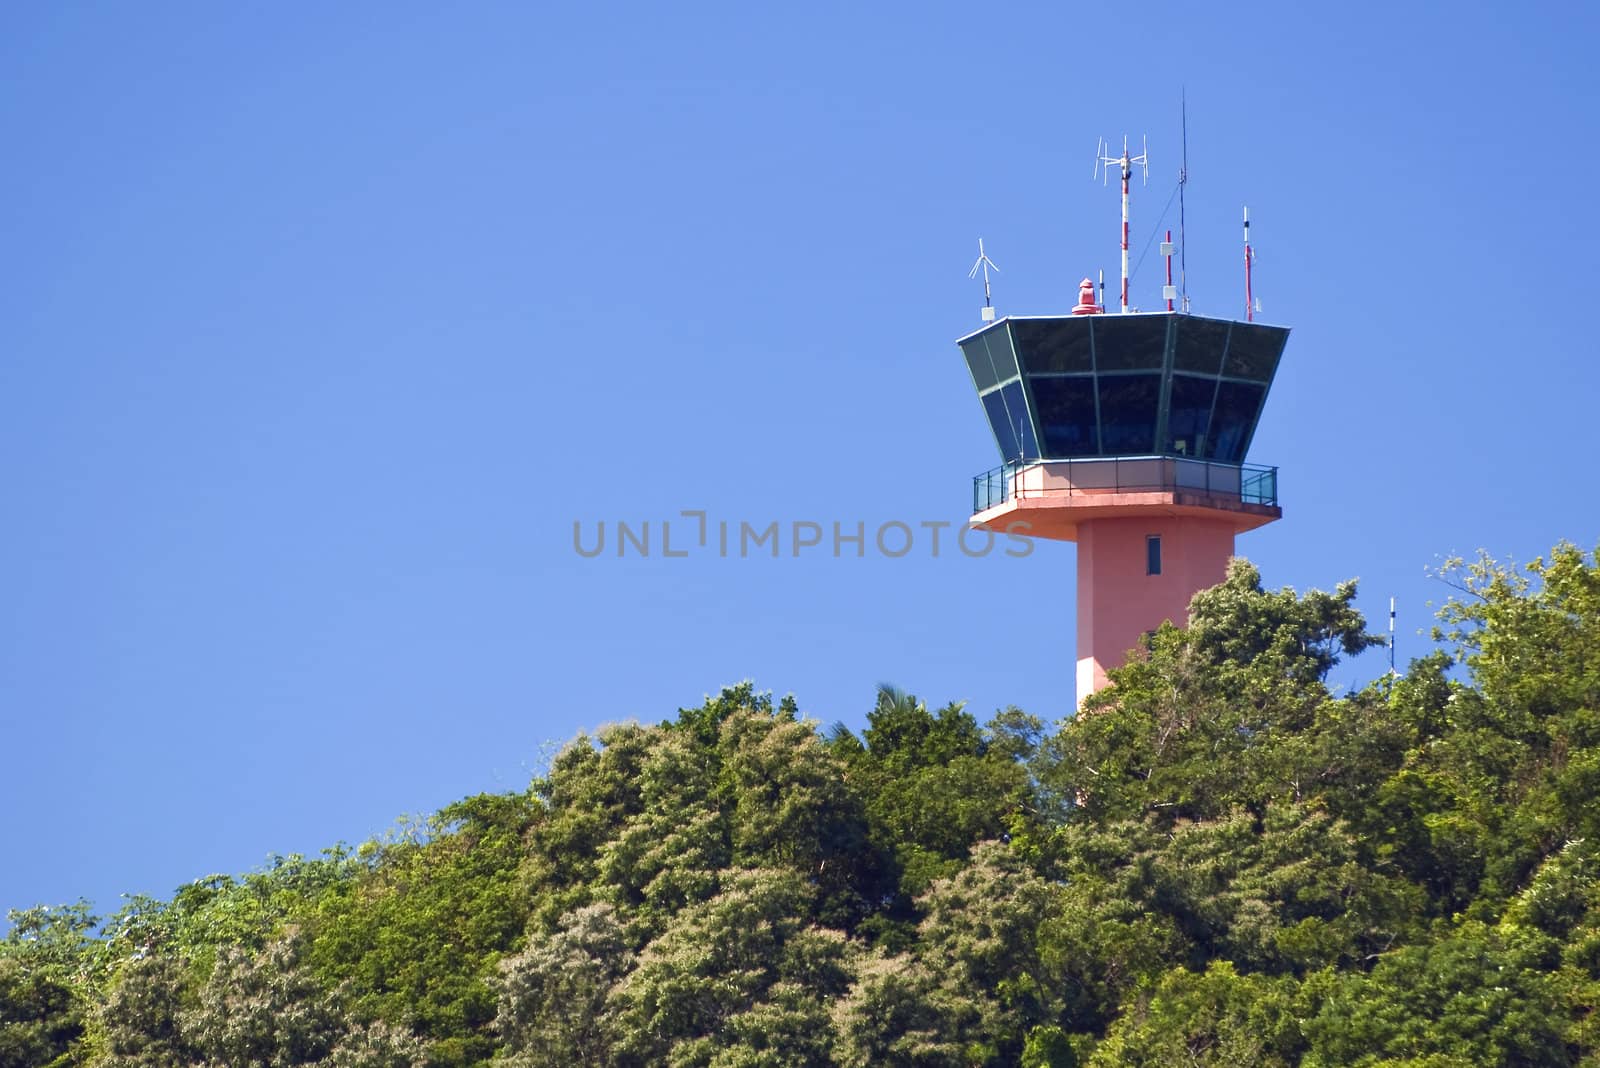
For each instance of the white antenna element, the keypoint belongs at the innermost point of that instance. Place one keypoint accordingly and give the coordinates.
(1169, 292)
(984, 263)
(1125, 162)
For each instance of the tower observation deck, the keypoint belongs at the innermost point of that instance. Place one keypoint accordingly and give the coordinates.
(1127, 434)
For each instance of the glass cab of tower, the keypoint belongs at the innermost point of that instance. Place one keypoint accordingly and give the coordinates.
(1164, 384)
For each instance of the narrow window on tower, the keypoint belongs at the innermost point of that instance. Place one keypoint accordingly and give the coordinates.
(1152, 554)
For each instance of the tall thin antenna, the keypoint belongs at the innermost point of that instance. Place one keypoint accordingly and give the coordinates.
(1183, 237)
(984, 262)
(1391, 635)
(1125, 162)
(1249, 262)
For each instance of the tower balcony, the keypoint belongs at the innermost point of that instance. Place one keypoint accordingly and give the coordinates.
(1052, 497)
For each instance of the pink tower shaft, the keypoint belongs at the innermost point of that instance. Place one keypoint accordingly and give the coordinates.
(1119, 601)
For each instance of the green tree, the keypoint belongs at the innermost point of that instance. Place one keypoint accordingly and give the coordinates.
(46, 936)
(792, 806)
(552, 1009)
(1212, 1018)
(1473, 996)
(933, 787)
(46, 961)
(263, 1010)
(41, 1015)
(897, 1016)
(379, 1045)
(139, 1021)
(980, 942)
(416, 940)
(665, 853)
(740, 978)
(1514, 776)
(594, 788)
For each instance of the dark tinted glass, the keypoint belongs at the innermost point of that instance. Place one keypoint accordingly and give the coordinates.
(1128, 413)
(1005, 434)
(1152, 555)
(1200, 345)
(1051, 346)
(1131, 343)
(1253, 351)
(1017, 411)
(1234, 420)
(1066, 415)
(1189, 413)
(1005, 363)
(977, 354)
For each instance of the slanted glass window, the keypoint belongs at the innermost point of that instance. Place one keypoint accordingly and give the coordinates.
(1199, 345)
(1233, 420)
(1005, 431)
(1066, 415)
(1152, 554)
(1253, 351)
(1189, 414)
(1130, 343)
(1128, 405)
(1053, 346)
(1017, 416)
(1005, 363)
(977, 354)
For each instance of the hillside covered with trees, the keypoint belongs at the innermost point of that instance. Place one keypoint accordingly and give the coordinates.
(1218, 863)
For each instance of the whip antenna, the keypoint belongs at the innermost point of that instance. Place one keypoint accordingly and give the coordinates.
(1183, 180)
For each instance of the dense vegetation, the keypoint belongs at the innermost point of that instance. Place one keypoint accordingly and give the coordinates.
(1219, 863)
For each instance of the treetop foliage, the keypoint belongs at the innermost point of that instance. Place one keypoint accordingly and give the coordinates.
(1218, 862)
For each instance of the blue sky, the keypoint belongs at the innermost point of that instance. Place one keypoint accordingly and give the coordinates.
(321, 328)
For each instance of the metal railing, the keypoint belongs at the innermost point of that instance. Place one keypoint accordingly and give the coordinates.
(1246, 483)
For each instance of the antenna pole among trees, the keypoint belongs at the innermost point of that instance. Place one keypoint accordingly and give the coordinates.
(1391, 635)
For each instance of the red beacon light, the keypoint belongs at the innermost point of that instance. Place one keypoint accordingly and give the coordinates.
(1086, 304)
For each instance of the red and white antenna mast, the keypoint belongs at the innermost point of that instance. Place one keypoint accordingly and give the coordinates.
(1126, 163)
(1249, 264)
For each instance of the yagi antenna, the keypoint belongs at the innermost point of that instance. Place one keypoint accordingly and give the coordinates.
(1125, 163)
(984, 263)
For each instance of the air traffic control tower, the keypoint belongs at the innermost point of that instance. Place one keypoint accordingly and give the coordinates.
(1126, 433)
